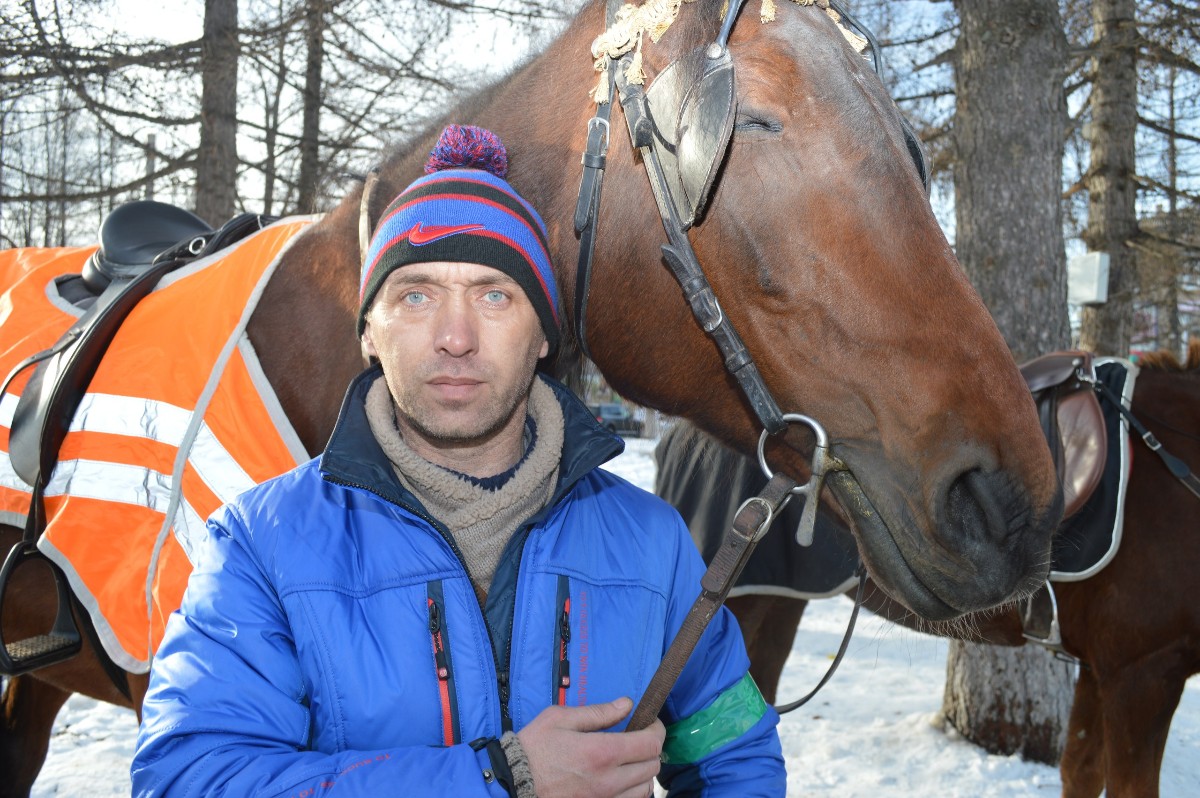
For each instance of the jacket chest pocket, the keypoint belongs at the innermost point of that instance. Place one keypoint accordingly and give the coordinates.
(595, 643)
(386, 668)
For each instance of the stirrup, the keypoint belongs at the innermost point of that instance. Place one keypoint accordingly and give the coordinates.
(1037, 606)
(61, 643)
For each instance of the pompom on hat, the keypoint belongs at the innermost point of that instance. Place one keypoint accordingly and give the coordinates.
(464, 211)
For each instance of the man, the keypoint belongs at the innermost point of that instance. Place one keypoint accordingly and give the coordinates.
(452, 600)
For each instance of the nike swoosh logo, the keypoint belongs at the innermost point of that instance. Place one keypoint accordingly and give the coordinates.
(419, 235)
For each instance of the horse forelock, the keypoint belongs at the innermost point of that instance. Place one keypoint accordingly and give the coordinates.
(653, 18)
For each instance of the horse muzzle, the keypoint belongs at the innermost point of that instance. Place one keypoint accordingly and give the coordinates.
(985, 545)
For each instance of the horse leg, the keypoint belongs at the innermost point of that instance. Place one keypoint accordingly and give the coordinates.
(768, 626)
(1138, 702)
(30, 707)
(1082, 765)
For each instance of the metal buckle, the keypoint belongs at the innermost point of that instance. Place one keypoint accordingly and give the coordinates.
(1085, 377)
(770, 514)
(602, 122)
(822, 462)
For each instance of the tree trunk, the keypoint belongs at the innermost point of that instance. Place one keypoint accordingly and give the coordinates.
(1112, 220)
(216, 167)
(1009, 126)
(1009, 700)
(310, 144)
(151, 143)
(272, 100)
(1170, 305)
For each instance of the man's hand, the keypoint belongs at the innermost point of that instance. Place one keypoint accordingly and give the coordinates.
(570, 757)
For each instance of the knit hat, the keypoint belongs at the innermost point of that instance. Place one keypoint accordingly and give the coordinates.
(464, 211)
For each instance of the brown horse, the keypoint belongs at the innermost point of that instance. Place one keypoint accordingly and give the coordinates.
(826, 256)
(1134, 625)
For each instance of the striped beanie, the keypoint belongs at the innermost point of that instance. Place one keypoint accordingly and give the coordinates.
(464, 211)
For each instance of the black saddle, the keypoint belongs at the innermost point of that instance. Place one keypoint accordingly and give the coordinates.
(134, 234)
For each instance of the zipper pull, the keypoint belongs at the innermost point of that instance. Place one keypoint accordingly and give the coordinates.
(434, 623)
(439, 649)
(502, 681)
(564, 665)
(505, 718)
(439, 656)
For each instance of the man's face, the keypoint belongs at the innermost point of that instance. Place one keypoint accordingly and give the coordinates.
(459, 344)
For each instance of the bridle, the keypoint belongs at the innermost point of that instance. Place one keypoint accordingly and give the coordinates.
(682, 125)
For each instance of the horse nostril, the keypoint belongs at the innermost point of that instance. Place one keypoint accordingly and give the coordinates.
(973, 508)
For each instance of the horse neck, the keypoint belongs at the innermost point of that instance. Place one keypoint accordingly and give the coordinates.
(303, 327)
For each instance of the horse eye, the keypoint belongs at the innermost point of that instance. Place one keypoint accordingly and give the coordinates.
(753, 123)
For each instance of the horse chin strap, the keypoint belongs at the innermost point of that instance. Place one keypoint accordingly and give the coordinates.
(783, 709)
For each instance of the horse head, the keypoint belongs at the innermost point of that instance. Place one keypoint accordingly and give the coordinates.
(821, 246)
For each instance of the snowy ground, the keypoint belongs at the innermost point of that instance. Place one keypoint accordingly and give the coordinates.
(871, 732)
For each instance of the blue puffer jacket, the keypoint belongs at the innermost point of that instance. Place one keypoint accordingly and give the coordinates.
(330, 642)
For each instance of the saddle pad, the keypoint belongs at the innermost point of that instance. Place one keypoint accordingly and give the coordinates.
(177, 420)
(1088, 540)
(707, 482)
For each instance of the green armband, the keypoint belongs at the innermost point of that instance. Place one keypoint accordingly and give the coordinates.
(731, 715)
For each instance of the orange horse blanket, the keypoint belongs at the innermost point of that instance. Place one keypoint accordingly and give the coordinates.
(178, 419)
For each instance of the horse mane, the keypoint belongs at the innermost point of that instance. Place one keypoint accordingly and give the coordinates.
(1166, 360)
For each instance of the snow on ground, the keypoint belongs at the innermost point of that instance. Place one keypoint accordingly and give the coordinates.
(871, 733)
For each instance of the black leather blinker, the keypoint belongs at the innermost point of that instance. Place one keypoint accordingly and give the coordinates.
(692, 104)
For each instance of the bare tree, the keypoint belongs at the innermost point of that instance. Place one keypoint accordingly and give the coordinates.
(310, 142)
(1110, 179)
(330, 83)
(216, 164)
(62, 61)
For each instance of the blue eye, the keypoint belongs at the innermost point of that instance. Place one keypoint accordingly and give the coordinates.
(414, 298)
(495, 296)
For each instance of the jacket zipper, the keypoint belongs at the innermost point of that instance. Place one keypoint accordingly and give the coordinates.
(562, 665)
(506, 723)
(503, 669)
(440, 639)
